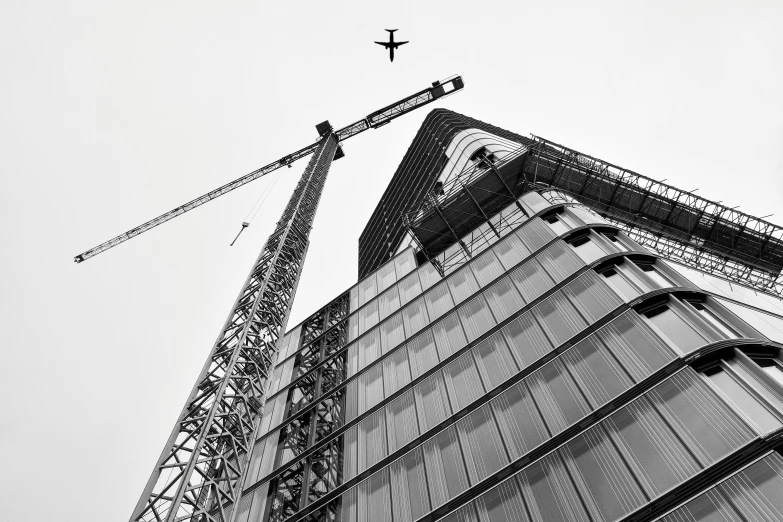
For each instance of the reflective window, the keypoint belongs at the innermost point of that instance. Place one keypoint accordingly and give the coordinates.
(368, 316)
(557, 396)
(511, 251)
(556, 224)
(367, 290)
(675, 328)
(596, 372)
(439, 301)
(551, 494)
(409, 288)
(414, 317)
(374, 500)
(604, 474)
(388, 302)
(409, 487)
(527, 340)
(449, 337)
(494, 361)
(392, 333)
(621, 283)
(535, 234)
(386, 276)
(462, 381)
(401, 420)
(519, 420)
(484, 452)
(559, 318)
(504, 299)
(732, 385)
(653, 273)
(396, 371)
(714, 319)
(462, 284)
(370, 388)
(640, 351)
(773, 368)
(421, 351)
(559, 261)
(445, 468)
(476, 317)
(369, 348)
(587, 249)
(372, 439)
(592, 296)
(432, 402)
(532, 280)
(503, 503)
(487, 267)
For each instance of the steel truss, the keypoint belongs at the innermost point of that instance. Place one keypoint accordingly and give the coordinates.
(692, 230)
(312, 417)
(199, 475)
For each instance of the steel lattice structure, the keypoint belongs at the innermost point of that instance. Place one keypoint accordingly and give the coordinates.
(202, 466)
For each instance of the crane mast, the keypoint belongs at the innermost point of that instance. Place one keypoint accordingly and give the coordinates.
(200, 472)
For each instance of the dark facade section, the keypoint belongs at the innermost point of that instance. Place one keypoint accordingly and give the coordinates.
(413, 179)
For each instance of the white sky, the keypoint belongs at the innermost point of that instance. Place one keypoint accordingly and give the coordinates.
(114, 112)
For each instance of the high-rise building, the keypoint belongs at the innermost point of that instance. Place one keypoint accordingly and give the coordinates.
(518, 349)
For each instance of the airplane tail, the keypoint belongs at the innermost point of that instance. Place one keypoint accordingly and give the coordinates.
(391, 30)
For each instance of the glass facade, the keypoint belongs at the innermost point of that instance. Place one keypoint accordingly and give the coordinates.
(546, 368)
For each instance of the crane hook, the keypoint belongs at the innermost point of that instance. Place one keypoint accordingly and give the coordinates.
(244, 226)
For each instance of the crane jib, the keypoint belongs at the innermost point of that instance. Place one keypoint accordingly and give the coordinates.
(372, 121)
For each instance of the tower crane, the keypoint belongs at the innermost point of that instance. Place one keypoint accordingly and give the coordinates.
(200, 472)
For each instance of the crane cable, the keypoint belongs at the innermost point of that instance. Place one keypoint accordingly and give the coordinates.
(251, 215)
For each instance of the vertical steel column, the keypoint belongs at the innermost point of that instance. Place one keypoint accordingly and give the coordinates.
(203, 463)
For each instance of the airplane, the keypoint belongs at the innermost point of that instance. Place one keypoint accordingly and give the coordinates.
(391, 45)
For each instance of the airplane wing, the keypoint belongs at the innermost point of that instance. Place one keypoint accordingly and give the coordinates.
(400, 43)
(385, 44)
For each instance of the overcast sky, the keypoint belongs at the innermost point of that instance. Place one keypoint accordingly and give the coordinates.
(115, 112)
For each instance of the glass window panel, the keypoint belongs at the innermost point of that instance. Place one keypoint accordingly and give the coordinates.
(396, 371)
(653, 273)
(445, 468)
(476, 317)
(353, 327)
(711, 428)
(449, 336)
(367, 289)
(409, 288)
(428, 275)
(350, 456)
(374, 503)
(368, 316)
(527, 340)
(494, 360)
(352, 400)
(757, 489)
(462, 381)
(774, 371)
(531, 280)
(487, 267)
(519, 420)
(556, 224)
(557, 397)
(717, 322)
(370, 388)
(401, 421)
(483, 449)
(743, 400)
(596, 372)
(372, 439)
(603, 473)
(592, 296)
(658, 457)
(708, 507)
(675, 328)
(504, 299)
(432, 402)
(388, 302)
(414, 317)
(462, 285)
(638, 348)
(348, 505)
(392, 333)
(404, 263)
(439, 301)
(503, 503)
(422, 353)
(409, 487)
(559, 318)
(511, 251)
(386, 276)
(587, 249)
(559, 261)
(535, 234)
(369, 348)
(354, 298)
(549, 492)
(620, 284)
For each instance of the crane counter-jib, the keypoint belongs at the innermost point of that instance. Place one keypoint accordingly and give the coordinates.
(375, 119)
